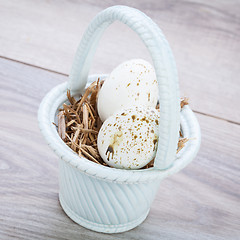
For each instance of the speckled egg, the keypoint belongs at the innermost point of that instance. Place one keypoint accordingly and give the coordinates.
(128, 139)
(132, 83)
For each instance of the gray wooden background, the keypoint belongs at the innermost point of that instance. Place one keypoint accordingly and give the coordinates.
(38, 40)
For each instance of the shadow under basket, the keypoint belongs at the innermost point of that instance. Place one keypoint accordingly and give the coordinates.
(113, 200)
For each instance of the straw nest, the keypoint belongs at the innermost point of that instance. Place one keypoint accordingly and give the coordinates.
(79, 124)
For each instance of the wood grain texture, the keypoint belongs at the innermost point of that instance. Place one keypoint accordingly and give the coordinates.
(204, 36)
(201, 202)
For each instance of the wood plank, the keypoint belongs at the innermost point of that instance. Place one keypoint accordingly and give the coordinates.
(201, 202)
(203, 34)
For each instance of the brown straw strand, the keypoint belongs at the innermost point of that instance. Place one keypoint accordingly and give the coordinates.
(61, 125)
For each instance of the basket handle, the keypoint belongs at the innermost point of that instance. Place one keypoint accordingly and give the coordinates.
(165, 68)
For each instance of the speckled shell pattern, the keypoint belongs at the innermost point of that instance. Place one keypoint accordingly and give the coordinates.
(128, 139)
(116, 200)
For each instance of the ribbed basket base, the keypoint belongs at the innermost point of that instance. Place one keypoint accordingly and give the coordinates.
(104, 228)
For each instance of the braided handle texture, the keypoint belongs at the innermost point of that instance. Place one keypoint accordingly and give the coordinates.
(164, 64)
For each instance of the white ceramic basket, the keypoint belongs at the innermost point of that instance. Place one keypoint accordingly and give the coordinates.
(115, 200)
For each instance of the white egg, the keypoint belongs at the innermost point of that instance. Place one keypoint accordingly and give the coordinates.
(128, 139)
(132, 83)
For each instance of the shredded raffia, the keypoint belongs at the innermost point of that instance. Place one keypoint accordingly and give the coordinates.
(79, 124)
(184, 101)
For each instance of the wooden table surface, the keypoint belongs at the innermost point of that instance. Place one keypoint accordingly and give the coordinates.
(38, 40)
